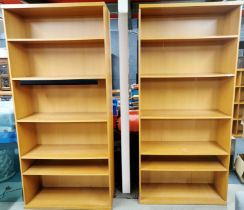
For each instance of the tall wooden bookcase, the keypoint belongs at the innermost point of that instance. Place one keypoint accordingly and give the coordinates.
(187, 66)
(237, 129)
(60, 66)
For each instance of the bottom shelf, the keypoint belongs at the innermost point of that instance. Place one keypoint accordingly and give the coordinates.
(71, 198)
(180, 194)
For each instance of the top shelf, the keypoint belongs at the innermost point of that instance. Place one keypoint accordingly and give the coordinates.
(57, 10)
(84, 40)
(171, 39)
(198, 75)
(189, 8)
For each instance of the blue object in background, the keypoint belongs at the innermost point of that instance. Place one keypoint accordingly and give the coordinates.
(8, 137)
(10, 181)
(115, 106)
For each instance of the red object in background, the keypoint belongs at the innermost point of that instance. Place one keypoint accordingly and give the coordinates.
(11, 2)
(67, 1)
(134, 121)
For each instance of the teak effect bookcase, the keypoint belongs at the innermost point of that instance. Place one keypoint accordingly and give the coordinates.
(237, 129)
(187, 66)
(60, 65)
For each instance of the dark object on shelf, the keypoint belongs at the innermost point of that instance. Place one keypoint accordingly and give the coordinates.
(3, 66)
(5, 84)
(60, 82)
(241, 62)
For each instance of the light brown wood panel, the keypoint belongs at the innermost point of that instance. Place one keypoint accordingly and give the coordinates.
(71, 133)
(68, 151)
(187, 57)
(221, 187)
(71, 198)
(38, 23)
(185, 163)
(14, 25)
(224, 135)
(74, 181)
(182, 26)
(66, 167)
(27, 138)
(182, 114)
(180, 130)
(180, 194)
(31, 186)
(189, 8)
(181, 148)
(50, 60)
(63, 99)
(177, 177)
(110, 127)
(57, 10)
(187, 94)
(79, 27)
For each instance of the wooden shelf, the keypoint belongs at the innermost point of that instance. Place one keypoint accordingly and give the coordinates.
(181, 148)
(65, 117)
(188, 39)
(53, 169)
(59, 78)
(183, 114)
(180, 194)
(71, 198)
(159, 76)
(68, 151)
(182, 165)
(87, 40)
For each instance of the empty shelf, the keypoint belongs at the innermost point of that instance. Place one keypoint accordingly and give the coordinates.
(181, 76)
(36, 78)
(67, 170)
(179, 194)
(65, 117)
(71, 198)
(183, 114)
(64, 151)
(182, 165)
(57, 41)
(181, 148)
(187, 39)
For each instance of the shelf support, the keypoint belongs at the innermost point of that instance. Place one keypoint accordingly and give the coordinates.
(124, 93)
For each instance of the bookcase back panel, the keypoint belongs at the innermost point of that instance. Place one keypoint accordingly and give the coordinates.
(187, 94)
(177, 177)
(65, 98)
(182, 26)
(57, 60)
(72, 133)
(74, 181)
(58, 27)
(187, 58)
(182, 130)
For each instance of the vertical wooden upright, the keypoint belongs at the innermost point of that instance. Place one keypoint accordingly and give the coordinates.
(60, 66)
(187, 65)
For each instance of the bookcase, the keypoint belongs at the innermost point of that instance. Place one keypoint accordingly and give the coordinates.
(60, 66)
(237, 129)
(187, 66)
